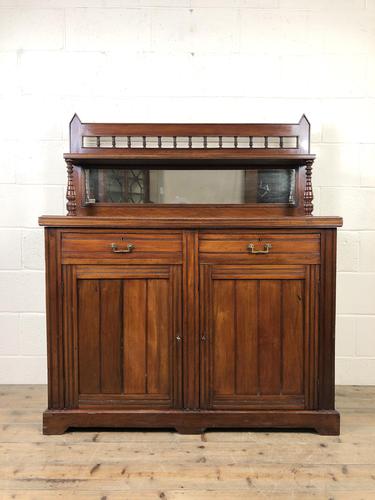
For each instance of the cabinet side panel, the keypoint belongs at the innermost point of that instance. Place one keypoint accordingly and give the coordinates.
(158, 361)
(246, 337)
(292, 337)
(89, 336)
(135, 303)
(110, 335)
(224, 336)
(54, 312)
(326, 390)
(269, 336)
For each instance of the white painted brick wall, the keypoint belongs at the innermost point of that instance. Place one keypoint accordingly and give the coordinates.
(184, 60)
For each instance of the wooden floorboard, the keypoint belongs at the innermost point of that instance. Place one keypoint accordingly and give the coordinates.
(142, 465)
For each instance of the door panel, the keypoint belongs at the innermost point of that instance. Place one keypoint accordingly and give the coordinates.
(157, 352)
(269, 336)
(89, 336)
(126, 327)
(223, 326)
(135, 337)
(246, 292)
(256, 334)
(110, 334)
(293, 336)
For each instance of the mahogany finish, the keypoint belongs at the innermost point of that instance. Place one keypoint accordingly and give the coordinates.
(190, 316)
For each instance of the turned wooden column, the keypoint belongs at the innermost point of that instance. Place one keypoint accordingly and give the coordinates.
(308, 195)
(71, 204)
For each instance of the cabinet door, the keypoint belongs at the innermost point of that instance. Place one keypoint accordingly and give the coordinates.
(258, 326)
(122, 336)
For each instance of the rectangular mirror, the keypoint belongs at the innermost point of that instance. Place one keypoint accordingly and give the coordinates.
(235, 186)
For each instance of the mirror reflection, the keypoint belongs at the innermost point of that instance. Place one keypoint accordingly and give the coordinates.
(235, 186)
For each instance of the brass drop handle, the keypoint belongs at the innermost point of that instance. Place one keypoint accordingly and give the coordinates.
(267, 247)
(128, 249)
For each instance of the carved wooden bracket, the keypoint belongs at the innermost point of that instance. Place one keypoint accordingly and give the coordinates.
(71, 205)
(308, 195)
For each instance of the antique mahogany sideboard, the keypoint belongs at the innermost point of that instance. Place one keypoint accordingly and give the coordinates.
(189, 285)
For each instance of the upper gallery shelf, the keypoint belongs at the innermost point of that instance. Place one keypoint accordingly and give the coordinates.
(136, 142)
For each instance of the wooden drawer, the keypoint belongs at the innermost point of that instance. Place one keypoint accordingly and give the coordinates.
(102, 247)
(278, 248)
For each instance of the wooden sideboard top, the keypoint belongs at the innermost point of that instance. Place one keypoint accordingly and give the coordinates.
(190, 222)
